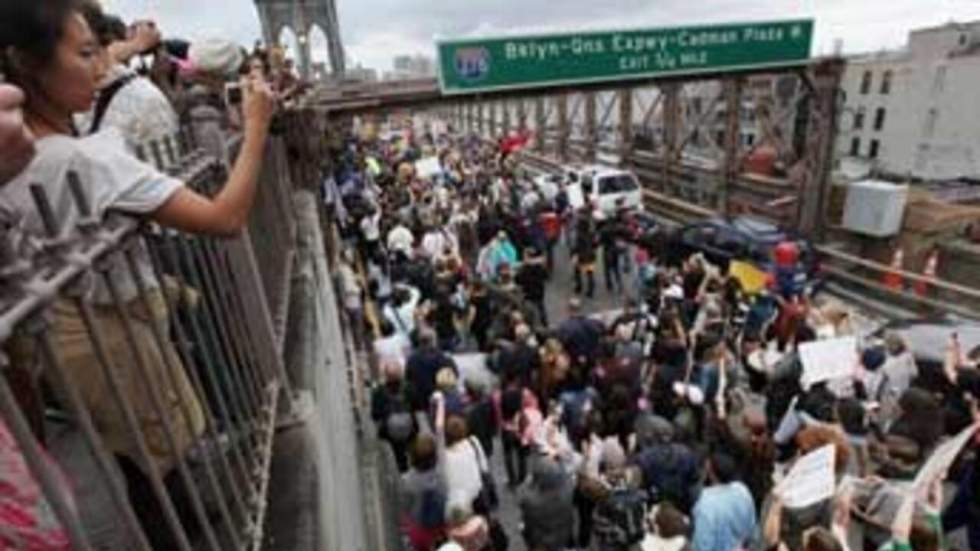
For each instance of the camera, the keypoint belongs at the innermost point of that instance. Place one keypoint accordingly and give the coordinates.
(233, 93)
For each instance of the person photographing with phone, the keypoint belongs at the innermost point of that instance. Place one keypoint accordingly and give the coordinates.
(49, 50)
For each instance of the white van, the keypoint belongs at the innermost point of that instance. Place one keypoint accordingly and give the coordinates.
(611, 187)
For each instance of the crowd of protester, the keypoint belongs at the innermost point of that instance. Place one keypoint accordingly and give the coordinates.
(667, 424)
(88, 94)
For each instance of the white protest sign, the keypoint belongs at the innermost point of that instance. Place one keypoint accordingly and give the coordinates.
(810, 480)
(428, 167)
(828, 359)
(941, 460)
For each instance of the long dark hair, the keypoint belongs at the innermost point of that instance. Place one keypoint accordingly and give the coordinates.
(29, 34)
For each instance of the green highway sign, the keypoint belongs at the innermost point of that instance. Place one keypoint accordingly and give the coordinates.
(501, 63)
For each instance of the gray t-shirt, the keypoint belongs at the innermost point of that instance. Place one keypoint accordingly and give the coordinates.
(114, 181)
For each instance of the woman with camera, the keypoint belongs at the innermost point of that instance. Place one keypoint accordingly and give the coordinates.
(49, 50)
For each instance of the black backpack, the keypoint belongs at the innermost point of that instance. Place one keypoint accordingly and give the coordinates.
(399, 424)
(619, 520)
(666, 475)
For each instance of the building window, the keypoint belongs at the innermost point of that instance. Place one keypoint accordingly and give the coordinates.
(855, 147)
(962, 40)
(879, 118)
(873, 152)
(886, 83)
(866, 83)
(859, 119)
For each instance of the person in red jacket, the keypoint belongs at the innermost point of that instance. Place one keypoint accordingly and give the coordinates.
(550, 223)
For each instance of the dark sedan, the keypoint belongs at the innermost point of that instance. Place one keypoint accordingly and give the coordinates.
(744, 238)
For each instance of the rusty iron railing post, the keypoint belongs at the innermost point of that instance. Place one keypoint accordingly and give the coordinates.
(522, 115)
(505, 121)
(826, 79)
(591, 132)
(540, 124)
(671, 124)
(730, 168)
(481, 122)
(495, 123)
(625, 141)
(561, 145)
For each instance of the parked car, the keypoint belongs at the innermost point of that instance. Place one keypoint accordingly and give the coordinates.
(743, 238)
(612, 187)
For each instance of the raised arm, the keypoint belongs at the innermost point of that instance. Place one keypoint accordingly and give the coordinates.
(773, 522)
(16, 140)
(144, 37)
(227, 213)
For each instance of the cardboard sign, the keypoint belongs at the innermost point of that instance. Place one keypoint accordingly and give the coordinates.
(751, 278)
(428, 167)
(810, 480)
(828, 359)
(941, 460)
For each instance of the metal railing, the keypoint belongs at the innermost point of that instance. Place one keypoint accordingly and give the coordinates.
(917, 293)
(173, 371)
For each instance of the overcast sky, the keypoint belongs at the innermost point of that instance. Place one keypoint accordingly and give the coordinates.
(373, 31)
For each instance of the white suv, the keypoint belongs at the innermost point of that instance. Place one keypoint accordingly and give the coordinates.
(612, 188)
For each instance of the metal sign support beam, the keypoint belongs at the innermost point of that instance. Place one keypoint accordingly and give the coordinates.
(826, 79)
(625, 126)
(540, 123)
(591, 134)
(561, 101)
(671, 124)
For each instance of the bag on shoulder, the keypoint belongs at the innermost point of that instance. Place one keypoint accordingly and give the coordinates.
(498, 536)
(399, 425)
(487, 500)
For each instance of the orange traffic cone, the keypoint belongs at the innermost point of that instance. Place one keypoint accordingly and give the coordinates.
(932, 265)
(893, 278)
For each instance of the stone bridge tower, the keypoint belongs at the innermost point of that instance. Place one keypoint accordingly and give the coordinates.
(301, 16)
